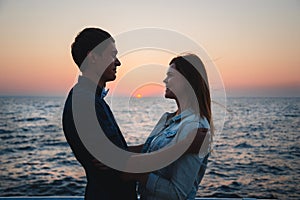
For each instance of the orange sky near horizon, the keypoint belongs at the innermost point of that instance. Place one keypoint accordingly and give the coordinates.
(255, 47)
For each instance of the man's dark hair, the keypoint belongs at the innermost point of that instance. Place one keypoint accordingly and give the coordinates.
(86, 41)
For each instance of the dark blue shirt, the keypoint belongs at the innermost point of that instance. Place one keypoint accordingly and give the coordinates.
(101, 184)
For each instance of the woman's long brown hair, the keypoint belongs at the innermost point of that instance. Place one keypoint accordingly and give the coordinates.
(192, 68)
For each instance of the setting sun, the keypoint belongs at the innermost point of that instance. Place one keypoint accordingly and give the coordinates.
(139, 96)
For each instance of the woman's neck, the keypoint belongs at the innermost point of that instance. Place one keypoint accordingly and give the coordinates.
(181, 106)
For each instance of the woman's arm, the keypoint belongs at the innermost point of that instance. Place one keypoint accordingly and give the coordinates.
(194, 148)
(180, 184)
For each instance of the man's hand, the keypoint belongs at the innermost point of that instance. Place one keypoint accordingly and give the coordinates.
(99, 165)
(136, 149)
(141, 177)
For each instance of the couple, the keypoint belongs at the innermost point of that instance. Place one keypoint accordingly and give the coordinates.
(186, 82)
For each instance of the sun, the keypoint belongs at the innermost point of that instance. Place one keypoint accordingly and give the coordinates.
(139, 96)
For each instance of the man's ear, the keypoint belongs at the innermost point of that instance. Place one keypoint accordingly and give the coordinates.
(92, 57)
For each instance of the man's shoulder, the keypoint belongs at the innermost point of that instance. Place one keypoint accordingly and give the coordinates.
(68, 102)
(80, 90)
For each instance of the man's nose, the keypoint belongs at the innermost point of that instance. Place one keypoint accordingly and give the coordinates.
(117, 62)
(165, 80)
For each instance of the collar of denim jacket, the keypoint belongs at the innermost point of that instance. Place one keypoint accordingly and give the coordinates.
(180, 117)
(104, 93)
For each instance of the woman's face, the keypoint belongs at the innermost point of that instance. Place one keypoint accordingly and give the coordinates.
(175, 83)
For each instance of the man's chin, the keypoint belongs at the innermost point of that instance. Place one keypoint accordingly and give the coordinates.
(111, 79)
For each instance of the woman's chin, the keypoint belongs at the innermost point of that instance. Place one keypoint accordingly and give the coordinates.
(169, 96)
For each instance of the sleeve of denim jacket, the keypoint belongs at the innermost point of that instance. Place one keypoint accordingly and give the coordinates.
(186, 129)
(184, 173)
(190, 127)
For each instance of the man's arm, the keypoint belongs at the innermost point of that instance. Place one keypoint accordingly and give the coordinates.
(194, 148)
(197, 142)
(136, 149)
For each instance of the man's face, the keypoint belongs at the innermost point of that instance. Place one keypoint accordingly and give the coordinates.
(110, 62)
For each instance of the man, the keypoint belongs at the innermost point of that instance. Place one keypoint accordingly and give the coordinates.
(98, 66)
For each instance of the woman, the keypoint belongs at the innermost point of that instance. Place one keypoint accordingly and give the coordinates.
(187, 84)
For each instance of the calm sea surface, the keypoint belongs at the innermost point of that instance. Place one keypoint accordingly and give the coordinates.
(255, 155)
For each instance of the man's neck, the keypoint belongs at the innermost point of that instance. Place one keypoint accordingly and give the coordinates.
(94, 78)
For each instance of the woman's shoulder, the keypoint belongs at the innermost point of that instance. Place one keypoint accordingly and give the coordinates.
(196, 121)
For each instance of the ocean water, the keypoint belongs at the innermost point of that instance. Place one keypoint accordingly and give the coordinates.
(256, 153)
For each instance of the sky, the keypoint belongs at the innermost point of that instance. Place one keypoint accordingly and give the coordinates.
(254, 45)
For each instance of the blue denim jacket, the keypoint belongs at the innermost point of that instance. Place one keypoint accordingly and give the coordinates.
(180, 179)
